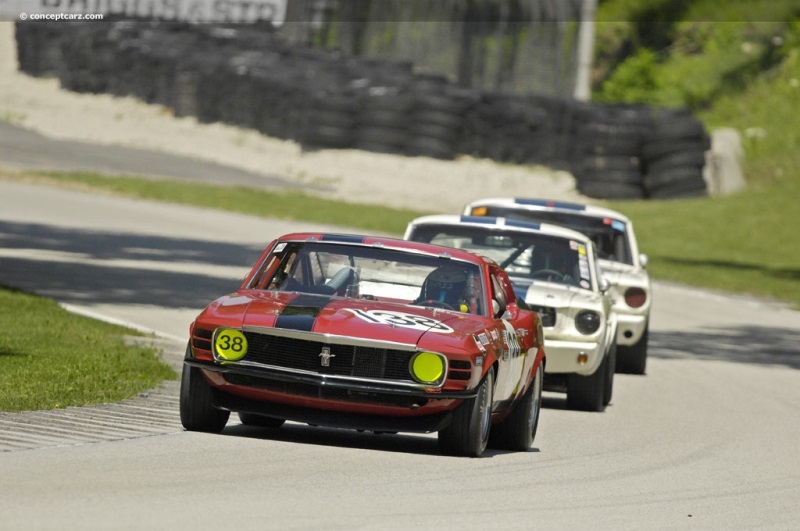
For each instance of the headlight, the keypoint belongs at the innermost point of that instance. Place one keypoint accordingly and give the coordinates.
(635, 297)
(229, 344)
(587, 322)
(428, 367)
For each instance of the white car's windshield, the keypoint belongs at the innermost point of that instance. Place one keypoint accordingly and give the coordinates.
(529, 256)
(610, 236)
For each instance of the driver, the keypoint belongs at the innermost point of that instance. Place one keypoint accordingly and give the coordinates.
(448, 285)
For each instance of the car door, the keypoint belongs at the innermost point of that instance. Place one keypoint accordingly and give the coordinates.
(511, 331)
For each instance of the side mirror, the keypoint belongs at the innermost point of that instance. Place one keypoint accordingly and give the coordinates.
(643, 259)
(604, 284)
(496, 308)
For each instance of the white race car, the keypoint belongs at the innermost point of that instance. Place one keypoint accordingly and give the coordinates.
(618, 251)
(555, 271)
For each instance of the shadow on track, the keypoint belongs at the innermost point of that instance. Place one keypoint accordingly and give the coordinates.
(80, 281)
(754, 344)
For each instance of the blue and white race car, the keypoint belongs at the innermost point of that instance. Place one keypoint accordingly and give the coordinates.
(556, 272)
(623, 266)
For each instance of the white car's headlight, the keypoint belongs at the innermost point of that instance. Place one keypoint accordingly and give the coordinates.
(587, 322)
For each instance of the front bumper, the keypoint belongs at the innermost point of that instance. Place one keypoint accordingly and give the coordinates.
(562, 356)
(630, 328)
(317, 399)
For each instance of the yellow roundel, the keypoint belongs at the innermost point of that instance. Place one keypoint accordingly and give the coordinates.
(230, 344)
(427, 367)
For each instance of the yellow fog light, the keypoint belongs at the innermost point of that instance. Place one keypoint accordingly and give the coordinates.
(230, 344)
(583, 358)
(427, 367)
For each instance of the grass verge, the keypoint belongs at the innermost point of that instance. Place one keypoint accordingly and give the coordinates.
(52, 358)
(742, 243)
(288, 205)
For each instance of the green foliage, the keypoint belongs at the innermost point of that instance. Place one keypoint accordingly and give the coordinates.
(634, 81)
(743, 73)
(52, 358)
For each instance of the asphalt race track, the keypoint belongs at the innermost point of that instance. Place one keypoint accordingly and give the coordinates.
(708, 439)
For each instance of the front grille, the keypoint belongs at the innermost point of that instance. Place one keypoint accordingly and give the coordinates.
(202, 339)
(547, 314)
(344, 360)
(329, 393)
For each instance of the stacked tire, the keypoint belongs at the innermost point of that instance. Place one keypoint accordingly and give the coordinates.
(674, 155)
(384, 119)
(330, 120)
(437, 118)
(249, 77)
(608, 148)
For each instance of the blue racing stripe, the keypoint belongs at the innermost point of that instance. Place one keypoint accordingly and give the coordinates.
(552, 204)
(523, 224)
(478, 219)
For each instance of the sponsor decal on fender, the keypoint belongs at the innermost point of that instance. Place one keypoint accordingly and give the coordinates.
(406, 320)
(511, 341)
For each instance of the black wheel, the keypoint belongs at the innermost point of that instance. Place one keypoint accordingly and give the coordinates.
(633, 359)
(587, 393)
(518, 431)
(197, 411)
(251, 419)
(468, 433)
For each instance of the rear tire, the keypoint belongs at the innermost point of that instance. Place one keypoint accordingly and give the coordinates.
(518, 431)
(197, 410)
(633, 359)
(468, 433)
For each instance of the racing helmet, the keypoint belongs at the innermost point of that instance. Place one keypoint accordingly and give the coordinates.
(446, 284)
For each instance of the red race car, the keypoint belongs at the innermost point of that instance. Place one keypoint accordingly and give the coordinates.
(374, 334)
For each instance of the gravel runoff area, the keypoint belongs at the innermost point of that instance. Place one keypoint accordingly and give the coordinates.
(419, 183)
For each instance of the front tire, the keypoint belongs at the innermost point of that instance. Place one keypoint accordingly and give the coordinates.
(468, 433)
(197, 410)
(587, 393)
(518, 431)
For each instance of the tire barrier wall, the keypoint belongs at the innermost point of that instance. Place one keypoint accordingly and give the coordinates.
(249, 76)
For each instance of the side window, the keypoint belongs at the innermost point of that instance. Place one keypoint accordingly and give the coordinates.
(285, 271)
(497, 297)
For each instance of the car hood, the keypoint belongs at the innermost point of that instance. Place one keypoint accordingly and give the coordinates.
(337, 316)
(560, 296)
(624, 275)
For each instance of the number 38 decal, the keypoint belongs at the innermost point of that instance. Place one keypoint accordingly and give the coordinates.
(230, 344)
(407, 320)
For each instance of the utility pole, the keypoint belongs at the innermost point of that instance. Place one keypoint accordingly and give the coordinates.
(583, 88)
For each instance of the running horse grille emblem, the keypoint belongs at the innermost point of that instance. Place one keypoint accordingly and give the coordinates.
(325, 357)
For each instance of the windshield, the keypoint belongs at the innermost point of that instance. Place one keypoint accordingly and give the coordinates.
(609, 235)
(524, 256)
(372, 274)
